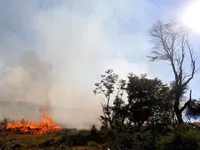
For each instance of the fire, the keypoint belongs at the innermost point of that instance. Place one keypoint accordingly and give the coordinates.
(46, 125)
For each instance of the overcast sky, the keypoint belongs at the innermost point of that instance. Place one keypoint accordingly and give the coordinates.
(55, 50)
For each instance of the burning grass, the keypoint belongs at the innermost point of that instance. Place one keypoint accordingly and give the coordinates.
(46, 125)
(44, 135)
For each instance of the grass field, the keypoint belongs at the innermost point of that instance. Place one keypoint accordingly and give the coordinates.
(18, 141)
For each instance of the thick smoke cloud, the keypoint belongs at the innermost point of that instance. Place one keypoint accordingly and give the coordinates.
(30, 80)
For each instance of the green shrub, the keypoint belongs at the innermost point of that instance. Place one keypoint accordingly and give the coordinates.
(93, 144)
(183, 138)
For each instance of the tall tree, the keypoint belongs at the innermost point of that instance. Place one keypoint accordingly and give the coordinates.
(112, 89)
(171, 44)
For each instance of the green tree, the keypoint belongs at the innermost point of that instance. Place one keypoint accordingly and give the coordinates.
(112, 89)
(147, 100)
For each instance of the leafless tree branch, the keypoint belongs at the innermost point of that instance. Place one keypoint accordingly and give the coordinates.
(171, 44)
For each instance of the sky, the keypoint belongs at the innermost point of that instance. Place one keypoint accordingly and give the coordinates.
(55, 50)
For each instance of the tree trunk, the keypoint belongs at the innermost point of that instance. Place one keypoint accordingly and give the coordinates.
(178, 114)
(179, 117)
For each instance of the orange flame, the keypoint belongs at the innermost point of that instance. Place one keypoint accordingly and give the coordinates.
(46, 125)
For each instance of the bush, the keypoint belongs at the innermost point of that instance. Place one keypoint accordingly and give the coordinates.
(93, 144)
(137, 140)
(82, 137)
(183, 138)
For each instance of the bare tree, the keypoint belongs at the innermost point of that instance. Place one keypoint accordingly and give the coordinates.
(171, 44)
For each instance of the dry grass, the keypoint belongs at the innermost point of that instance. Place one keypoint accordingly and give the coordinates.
(36, 142)
(25, 141)
(85, 148)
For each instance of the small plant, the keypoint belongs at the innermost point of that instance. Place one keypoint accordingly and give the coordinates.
(93, 144)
